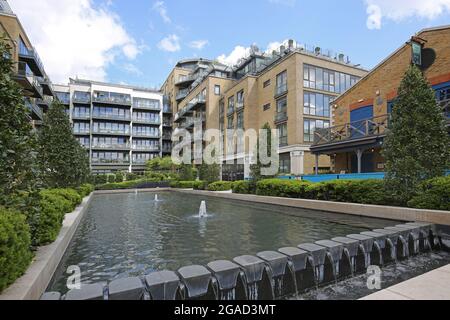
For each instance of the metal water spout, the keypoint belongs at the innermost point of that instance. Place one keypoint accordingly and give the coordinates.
(202, 210)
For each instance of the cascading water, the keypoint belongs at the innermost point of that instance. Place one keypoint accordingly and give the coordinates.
(202, 211)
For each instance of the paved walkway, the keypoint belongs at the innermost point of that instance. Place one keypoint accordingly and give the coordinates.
(434, 285)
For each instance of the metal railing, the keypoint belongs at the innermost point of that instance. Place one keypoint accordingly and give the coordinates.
(280, 89)
(147, 120)
(146, 104)
(81, 131)
(110, 131)
(145, 134)
(106, 116)
(354, 130)
(81, 97)
(108, 97)
(81, 115)
(111, 146)
(182, 94)
(281, 116)
(187, 78)
(145, 147)
(110, 161)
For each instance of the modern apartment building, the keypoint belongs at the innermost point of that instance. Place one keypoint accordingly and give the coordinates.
(29, 71)
(122, 127)
(290, 89)
(361, 114)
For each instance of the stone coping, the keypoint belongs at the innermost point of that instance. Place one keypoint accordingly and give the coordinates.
(131, 190)
(374, 211)
(433, 285)
(39, 274)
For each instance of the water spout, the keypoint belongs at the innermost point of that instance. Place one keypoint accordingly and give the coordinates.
(202, 211)
(156, 198)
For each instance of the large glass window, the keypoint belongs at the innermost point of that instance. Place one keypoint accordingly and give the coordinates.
(281, 83)
(240, 120)
(310, 125)
(285, 163)
(316, 104)
(282, 134)
(327, 80)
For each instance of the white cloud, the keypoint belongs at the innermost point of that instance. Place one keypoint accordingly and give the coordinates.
(289, 3)
(73, 38)
(160, 7)
(198, 44)
(171, 43)
(132, 69)
(398, 10)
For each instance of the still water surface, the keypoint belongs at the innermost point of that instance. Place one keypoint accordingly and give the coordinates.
(131, 234)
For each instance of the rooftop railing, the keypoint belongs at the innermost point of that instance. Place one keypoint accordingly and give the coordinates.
(111, 97)
(354, 130)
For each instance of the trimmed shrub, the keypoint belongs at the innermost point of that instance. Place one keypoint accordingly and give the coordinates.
(200, 185)
(69, 194)
(220, 186)
(15, 254)
(433, 194)
(119, 177)
(185, 184)
(243, 187)
(282, 188)
(100, 179)
(85, 189)
(134, 184)
(111, 178)
(130, 176)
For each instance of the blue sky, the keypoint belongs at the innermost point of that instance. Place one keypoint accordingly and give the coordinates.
(146, 38)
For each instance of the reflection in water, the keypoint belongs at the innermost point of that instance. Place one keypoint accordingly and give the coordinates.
(131, 234)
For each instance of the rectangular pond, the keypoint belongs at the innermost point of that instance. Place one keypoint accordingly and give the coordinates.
(131, 234)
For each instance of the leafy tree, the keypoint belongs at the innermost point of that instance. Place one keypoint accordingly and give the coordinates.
(255, 169)
(64, 162)
(164, 164)
(17, 141)
(416, 147)
(186, 173)
(209, 172)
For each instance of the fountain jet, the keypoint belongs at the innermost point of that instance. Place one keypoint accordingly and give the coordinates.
(202, 210)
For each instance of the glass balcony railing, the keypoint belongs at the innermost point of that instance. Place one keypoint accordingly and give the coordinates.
(63, 97)
(82, 97)
(149, 104)
(31, 53)
(182, 94)
(111, 116)
(280, 89)
(111, 97)
(167, 109)
(25, 72)
(145, 134)
(110, 161)
(81, 131)
(81, 115)
(111, 131)
(146, 147)
(110, 146)
(147, 120)
(281, 116)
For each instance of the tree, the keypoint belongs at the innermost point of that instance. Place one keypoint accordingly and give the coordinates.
(416, 147)
(255, 169)
(64, 162)
(186, 173)
(17, 141)
(209, 172)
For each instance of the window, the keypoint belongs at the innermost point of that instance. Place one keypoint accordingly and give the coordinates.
(285, 163)
(240, 99)
(282, 134)
(266, 83)
(282, 105)
(266, 107)
(230, 123)
(240, 120)
(231, 104)
(310, 125)
(327, 80)
(281, 83)
(217, 90)
(316, 104)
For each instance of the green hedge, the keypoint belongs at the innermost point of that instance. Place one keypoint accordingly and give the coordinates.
(133, 184)
(243, 187)
(200, 185)
(85, 189)
(69, 194)
(220, 186)
(433, 194)
(15, 241)
(282, 188)
(185, 184)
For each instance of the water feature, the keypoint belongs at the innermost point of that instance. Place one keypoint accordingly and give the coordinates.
(156, 198)
(121, 236)
(202, 211)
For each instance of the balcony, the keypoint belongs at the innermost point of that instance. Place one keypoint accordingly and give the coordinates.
(140, 162)
(81, 97)
(82, 132)
(106, 116)
(186, 81)
(146, 135)
(281, 89)
(359, 130)
(182, 94)
(167, 109)
(281, 117)
(111, 132)
(230, 110)
(111, 146)
(167, 123)
(46, 85)
(138, 147)
(201, 117)
(147, 120)
(198, 101)
(103, 161)
(167, 136)
(29, 81)
(45, 103)
(63, 97)
(35, 111)
(81, 115)
(31, 57)
(146, 104)
(111, 98)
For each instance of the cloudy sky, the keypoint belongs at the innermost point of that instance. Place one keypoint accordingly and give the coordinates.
(138, 41)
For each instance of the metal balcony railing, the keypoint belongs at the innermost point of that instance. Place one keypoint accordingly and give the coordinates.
(146, 147)
(281, 116)
(182, 94)
(81, 131)
(375, 126)
(146, 104)
(147, 120)
(111, 146)
(145, 134)
(126, 117)
(81, 97)
(110, 161)
(81, 115)
(111, 97)
(110, 131)
(188, 78)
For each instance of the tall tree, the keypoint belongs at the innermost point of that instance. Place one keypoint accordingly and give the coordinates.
(17, 141)
(64, 162)
(417, 144)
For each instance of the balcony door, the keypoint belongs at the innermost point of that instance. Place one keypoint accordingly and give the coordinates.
(358, 123)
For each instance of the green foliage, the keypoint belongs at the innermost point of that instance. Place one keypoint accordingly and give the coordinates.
(132, 184)
(243, 187)
(164, 164)
(111, 178)
(220, 186)
(64, 162)
(186, 173)
(101, 179)
(52, 210)
(15, 254)
(433, 194)
(186, 184)
(200, 185)
(17, 141)
(209, 172)
(130, 176)
(85, 189)
(69, 194)
(417, 146)
(119, 177)
(255, 169)
(281, 188)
